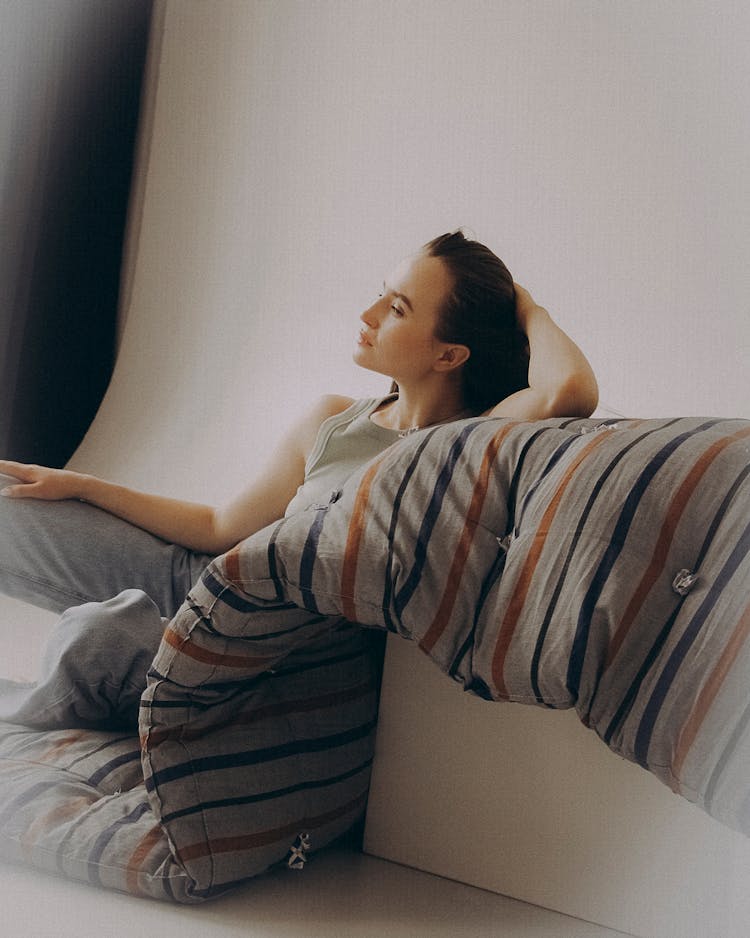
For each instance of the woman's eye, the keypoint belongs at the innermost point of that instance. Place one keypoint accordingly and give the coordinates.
(396, 311)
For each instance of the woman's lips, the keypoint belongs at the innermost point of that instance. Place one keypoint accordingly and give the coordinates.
(362, 338)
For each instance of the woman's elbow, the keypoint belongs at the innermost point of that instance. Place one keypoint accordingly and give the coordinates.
(576, 397)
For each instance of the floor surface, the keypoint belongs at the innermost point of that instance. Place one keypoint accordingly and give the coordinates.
(338, 895)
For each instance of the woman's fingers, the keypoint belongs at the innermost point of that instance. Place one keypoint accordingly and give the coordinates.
(19, 491)
(33, 481)
(19, 470)
(16, 470)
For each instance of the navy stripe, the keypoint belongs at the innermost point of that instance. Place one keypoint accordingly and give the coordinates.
(388, 586)
(616, 544)
(580, 424)
(264, 636)
(491, 578)
(109, 767)
(103, 840)
(61, 853)
(654, 652)
(24, 798)
(284, 671)
(258, 756)
(89, 754)
(227, 595)
(199, 615)
(273, 569)
(627, 701)
(310, 785)
(307, 560)
(683, 646)
(551, 463)
(516, 477)
(430, 518)
(595, 492)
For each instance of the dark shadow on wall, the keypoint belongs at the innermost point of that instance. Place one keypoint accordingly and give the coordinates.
(72, 76)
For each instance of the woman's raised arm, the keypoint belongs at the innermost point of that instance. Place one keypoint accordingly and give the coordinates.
(561, 381)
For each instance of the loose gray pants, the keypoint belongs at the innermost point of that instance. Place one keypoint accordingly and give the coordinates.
(114, 585)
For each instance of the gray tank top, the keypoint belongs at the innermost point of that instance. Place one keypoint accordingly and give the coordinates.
(344, 443)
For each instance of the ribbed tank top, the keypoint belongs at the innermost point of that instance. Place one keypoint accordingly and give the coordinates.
(344, 442)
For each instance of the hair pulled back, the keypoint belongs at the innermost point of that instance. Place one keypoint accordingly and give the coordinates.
(480, 312)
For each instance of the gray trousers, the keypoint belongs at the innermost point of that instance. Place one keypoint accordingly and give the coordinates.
(114, 584)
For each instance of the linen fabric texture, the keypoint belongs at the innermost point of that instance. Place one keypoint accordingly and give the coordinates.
(561, 563)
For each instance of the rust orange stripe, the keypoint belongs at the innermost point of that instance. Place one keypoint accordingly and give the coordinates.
(60, 746)
(517, 600)
(709, 691)
(135, 863)
(188, 647)
(354, 541)
(62, 812)
(262, 838)
(232, 564)
(442, 616)
(666, 535)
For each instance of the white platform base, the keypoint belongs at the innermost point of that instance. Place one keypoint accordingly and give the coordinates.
(528, 803)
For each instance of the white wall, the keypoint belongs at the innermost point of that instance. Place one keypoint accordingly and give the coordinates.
(300, 149)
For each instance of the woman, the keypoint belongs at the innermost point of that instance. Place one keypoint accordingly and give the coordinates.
(451, 330)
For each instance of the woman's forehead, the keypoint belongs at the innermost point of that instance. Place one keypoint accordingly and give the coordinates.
(422, 280)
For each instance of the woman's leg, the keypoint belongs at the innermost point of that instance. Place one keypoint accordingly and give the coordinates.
(61, 554)
(94, 667)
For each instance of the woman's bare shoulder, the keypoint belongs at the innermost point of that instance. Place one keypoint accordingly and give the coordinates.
(305, 431)
(321, 409)
(329, 405)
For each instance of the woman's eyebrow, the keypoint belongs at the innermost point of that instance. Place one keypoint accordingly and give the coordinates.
(399, 296)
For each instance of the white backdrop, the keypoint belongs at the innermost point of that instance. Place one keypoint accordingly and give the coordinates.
(292, 153)
(299, 150)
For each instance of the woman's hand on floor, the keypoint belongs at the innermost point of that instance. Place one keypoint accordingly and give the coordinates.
(41, 482)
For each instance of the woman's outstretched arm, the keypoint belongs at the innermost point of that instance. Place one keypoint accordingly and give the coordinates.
(203, 528)
(561, 381)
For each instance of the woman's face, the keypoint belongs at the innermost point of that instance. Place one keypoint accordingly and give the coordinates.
(397, 337)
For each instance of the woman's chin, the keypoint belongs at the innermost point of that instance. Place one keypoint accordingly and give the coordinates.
(361, 358)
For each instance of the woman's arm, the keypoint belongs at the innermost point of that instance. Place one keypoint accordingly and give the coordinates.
(198, 527)
(561, 382)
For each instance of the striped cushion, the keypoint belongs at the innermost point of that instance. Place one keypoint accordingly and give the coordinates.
(247, 770)
(74, 804)
(258, 733)
(557, 563)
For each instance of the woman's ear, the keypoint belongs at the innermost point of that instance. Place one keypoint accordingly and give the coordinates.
(452, 357)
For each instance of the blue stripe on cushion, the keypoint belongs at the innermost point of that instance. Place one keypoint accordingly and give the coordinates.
(309, 785)
(683, 646)
(617, 541)
(257, 756)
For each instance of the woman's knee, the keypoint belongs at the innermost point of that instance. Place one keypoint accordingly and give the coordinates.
(120, 628)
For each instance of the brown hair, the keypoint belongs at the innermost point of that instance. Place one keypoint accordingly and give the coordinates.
(480, 312)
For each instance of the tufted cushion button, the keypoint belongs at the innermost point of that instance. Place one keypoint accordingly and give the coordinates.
(683, 582)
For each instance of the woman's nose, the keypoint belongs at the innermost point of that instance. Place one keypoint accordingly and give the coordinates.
(370, 316)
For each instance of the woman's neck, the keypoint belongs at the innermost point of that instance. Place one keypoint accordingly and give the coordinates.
(412, 411)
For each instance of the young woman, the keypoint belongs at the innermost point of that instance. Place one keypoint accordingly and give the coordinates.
(450, 328)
